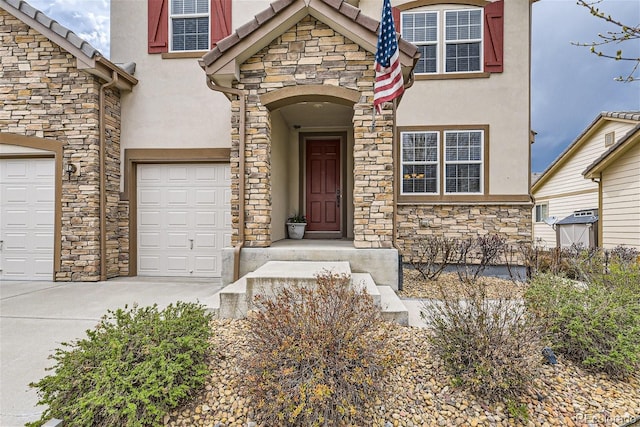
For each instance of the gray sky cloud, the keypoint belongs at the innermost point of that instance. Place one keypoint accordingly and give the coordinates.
(569, 85)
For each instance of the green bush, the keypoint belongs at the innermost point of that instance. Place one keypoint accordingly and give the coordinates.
(132, 369)
(318, 354)
(489, 346)
(595, 323)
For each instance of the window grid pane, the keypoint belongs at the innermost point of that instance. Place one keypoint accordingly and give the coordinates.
(190, 34)
(463, 33)
(189, 7)
(420, 27)
(463, 162)
(419, 157)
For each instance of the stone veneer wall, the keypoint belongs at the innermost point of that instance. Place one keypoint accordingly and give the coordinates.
(43, 94)
(313, 53)
(461, 222)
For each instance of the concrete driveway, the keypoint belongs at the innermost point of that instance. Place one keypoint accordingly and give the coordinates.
(36, 317)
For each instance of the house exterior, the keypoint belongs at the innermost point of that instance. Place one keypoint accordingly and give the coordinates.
(59, 111)
(245, 113)
(573, 183)
(617, 172)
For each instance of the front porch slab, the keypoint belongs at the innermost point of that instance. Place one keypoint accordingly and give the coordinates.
(382, 264)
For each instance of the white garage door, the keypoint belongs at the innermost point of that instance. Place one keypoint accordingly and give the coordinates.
(27, 196)
(184, 219)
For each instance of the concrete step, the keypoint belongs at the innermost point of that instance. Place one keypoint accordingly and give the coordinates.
(273, 275)
(234, 300)
(393, 310)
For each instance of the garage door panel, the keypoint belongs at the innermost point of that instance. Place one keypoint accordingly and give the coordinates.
(177, 264)
(177, 240)
(43, 241)
(149, 198)
(13, 219)
(148, 264)
(15, 195)
(177, 218)
(15, 242)
(206, 265)
(149, 240)
(44, 195)
(44, 219)
(192, 212)
(177, 197)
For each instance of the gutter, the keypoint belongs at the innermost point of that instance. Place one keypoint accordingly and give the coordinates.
(103, 175)
(241, 173)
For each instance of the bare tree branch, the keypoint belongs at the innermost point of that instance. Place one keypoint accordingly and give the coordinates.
(625, 33)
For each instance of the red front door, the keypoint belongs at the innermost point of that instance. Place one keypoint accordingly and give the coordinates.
(323, 185)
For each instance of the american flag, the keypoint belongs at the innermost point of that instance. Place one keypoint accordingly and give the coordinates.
(389, 84)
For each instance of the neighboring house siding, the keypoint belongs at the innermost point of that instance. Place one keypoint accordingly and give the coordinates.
(43, 94)
(561, 207)
(621, 201)
(566, 190)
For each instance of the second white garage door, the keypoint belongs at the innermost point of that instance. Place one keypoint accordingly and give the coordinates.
(184, 219)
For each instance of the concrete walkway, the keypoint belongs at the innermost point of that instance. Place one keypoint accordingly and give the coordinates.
(36, 317)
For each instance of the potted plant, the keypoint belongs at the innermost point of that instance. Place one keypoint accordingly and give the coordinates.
(296, 225)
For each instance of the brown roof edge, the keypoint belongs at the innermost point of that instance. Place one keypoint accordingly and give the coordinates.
(351, 12)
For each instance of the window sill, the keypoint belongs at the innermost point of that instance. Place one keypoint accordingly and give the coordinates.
(452, 76)
(178, 55)
(464, 199)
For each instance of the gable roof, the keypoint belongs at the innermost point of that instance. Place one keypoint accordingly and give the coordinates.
(88, 57)
(230, 52)
(614, 152)
(625, 116)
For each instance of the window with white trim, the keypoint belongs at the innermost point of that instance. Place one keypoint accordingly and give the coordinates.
(419, 159)
(189, 25)
(456, 36)
(542, 212)
(442, 162)
(463, 161)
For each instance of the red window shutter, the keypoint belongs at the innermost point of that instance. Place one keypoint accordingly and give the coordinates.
(158, 20)
(395, 12)
(494, 37)
(220, 20)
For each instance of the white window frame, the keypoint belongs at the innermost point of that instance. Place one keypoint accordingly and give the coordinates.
(435, 42)
(539, 214)
(447, 42)
(480, 162)
(173, 16)
(442, 42)
(435, 163)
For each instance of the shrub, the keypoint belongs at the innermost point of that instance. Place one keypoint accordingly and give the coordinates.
(318, 353)
(132, 369)
(594, 323)
(489, 346)
(432, 254)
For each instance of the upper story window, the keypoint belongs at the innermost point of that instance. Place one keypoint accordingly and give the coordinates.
(189, 25)
(184, 28)
(449, 42)
(459, 170)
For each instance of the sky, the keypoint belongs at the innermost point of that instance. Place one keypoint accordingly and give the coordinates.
(569, 85)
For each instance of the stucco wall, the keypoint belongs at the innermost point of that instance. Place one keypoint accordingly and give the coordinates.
(171, 106)
(44, 95)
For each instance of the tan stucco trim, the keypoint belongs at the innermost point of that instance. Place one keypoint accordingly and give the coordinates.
(311, 93)
(178, 55)
(55, 147)
(420, 3)
(133, 157)
(568, 194)
(491, 199)
(450, 76)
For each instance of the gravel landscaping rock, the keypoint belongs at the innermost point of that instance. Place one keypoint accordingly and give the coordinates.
(418, 392)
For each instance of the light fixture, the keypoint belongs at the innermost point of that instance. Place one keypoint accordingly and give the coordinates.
(71, 169)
